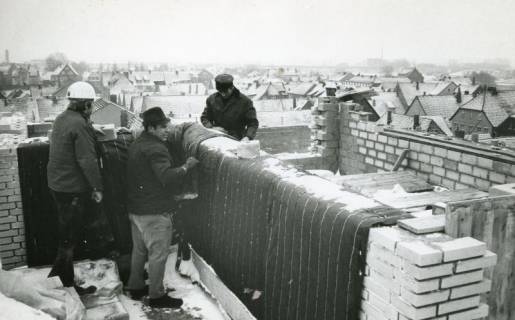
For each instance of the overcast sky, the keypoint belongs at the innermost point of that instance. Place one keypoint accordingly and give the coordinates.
(259, 31)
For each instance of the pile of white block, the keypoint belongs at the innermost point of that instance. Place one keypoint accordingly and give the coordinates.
(428, 275)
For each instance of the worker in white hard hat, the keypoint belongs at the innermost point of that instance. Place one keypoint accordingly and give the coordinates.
(73, 175)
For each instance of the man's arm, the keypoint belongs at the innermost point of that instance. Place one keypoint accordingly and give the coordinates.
(207, 115)
(251, 121)
(162, 166)
(86, 156)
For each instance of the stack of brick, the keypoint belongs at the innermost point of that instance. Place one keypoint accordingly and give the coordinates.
(424, 276)
(325, 131)
(12, 231)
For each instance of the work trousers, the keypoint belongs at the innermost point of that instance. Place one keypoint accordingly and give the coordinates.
(70, 212)
(151, 239)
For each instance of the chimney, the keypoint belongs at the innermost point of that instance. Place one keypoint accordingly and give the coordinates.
(417, 86)
(416, 122)
(389, 112)
(6, 56)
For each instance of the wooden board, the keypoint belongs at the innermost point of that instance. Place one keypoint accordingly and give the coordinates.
(428, 198)
(491, 220)
(229, 301)
(370, 183)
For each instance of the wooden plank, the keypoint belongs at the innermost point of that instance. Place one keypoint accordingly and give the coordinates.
(370, 183)
(427, 198)
(229, 301)
(491, 220)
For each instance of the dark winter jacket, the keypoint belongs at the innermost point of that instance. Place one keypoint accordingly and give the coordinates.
(235, 114)
(72, 164)
(152, 177)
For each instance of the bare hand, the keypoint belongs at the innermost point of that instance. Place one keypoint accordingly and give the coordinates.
(97, 196)
(245, 139)
(191, 162)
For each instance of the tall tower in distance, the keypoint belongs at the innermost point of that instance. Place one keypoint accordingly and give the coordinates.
(6, 56)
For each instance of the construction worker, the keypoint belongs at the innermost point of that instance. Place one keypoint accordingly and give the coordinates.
(152, 178)
(230, 111)
(73, 176)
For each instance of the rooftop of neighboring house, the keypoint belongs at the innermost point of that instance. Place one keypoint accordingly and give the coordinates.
(401, 121)
(409, 90)
(441, 87)
(387, 99)
(303, 88)
(181, 106)
(444, 106)
(497, 106)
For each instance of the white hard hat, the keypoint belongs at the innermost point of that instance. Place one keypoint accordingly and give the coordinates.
(81, 90)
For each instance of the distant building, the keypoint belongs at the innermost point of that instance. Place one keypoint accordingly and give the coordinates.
(491, 112)
(272, 90)
(65, 75)
(430, 124)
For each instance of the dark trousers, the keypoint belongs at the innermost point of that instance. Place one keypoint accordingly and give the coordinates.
(70, 211)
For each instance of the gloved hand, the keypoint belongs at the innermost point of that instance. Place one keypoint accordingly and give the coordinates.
(222, 130)
(97, 196)
(191, 163)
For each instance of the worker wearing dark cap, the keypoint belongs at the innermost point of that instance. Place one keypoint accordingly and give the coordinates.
(230, 111)
(152, 177)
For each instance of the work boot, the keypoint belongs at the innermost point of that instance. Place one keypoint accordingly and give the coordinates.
(138, 294)
(165, 302)
(83, 291)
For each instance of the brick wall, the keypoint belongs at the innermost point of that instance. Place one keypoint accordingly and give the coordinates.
(325, 131)
(12, 231)
(455, 164)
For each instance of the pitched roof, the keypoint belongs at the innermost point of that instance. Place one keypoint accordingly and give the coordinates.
(401, 121)
(497, 108)
(409, 90)
(387, 99)
(103, 103)
(444, 106)
(303, 88)
(441, 87)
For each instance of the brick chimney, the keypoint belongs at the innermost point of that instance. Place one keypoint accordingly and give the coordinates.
(6, 56)
(416, 122)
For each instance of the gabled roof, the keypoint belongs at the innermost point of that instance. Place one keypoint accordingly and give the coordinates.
(303, 88)
(441, 87)
(401, 121)
(387, 99)
(272, 88)
(103, 103)
(444, 106)
(71, 68)
(497, 107)
(409, 90)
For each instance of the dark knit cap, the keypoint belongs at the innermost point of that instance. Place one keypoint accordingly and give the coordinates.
(223, 81)
(154, 117)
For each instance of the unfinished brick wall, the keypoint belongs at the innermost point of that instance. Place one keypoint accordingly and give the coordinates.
(455, 164)
(12, 230)
(325, 131)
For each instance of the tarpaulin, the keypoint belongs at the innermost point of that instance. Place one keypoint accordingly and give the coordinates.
(260, 232)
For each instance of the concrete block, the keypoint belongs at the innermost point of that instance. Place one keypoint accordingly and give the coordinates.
(472, 314)
(419, 253)
(414, 285)
(424, 225)
(461, 279)
(461, 248)
(381, 267)
(386, 237)
(488, 260)
(471, 289)
(379, 287)
(376, 250)
(423, 273)
(412, 312)
(503, 189)
(425, 299)
(457, 305)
